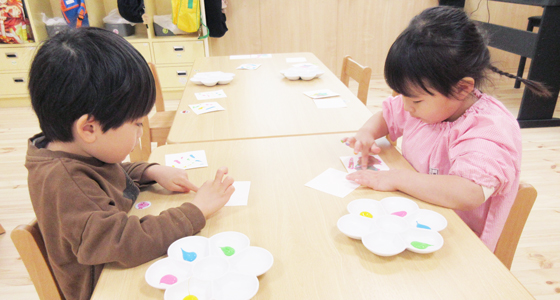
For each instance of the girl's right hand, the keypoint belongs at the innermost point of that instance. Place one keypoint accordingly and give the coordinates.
(363, 143)
(214, 194)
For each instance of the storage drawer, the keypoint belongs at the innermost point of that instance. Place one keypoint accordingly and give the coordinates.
(144, 49)
(179, 52)
(13, 84)
(173, 77)
(16, 58)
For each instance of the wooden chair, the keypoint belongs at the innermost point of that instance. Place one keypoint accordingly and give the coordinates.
(31, 247)
(352, 69)
(507, 244)
(2, 230)
(156, 128)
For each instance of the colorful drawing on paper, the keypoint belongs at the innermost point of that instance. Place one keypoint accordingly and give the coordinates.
(321, 94)
(354, 163)
(187, 160)
(205, 107)
(210, 95)
(168, 279)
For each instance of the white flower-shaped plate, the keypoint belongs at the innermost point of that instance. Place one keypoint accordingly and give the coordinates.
(212, 78)
(223, 266)
(302, 73)
(390, 226)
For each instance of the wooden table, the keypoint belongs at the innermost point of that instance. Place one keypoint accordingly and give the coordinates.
(262, 103)
(297, 224)
(543, 48)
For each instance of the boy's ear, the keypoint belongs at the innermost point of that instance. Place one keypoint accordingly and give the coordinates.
(87, 128)
(464, 87)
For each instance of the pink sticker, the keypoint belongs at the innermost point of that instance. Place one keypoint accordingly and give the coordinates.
(168, 279)
(143, 204)
(184, 111)
(401, 213)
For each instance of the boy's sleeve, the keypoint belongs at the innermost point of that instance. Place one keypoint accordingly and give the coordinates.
(136, 170)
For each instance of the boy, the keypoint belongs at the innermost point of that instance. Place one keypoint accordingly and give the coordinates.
(90, 89)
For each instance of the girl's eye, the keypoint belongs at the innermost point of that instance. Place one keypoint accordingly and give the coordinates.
(416, 102)
(139, 124)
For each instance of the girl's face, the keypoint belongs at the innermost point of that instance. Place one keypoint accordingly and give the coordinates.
(434, 108)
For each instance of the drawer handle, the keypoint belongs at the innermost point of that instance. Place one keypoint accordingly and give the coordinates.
(19, 80)
(178, 48)
(11, 55)
(182, 73)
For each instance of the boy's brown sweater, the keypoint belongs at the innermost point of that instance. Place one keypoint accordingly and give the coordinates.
(81, 205)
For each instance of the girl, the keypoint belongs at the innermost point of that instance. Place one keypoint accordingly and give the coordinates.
(464, 144)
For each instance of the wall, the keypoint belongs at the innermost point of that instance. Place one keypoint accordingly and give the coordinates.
(331, 29)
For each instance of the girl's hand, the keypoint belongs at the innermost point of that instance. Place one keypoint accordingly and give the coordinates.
(173, 179)
(214, 194)
(384, 181)
(363, 143)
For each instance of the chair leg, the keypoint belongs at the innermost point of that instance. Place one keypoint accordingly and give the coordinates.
(2, 231)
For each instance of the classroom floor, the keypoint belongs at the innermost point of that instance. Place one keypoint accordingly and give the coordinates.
(536, 263)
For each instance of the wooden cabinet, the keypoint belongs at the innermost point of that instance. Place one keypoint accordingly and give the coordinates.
(173, 55)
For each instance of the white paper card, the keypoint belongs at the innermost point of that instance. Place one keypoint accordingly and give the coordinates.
(249, 66)
(354, 163)
(330, 103)
(261, 55)
(210, 95)
(241, 194)
(320, 94)
(187, 160)
(205, 107)
(296, 59)
(239, 56)
(333, 182)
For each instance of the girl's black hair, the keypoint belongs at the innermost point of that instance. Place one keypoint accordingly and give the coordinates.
(440, 47)
(88, 71)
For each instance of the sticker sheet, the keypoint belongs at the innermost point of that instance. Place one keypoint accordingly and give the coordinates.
(206, 107)
(321, 94)
(249, 66)
(210, 95)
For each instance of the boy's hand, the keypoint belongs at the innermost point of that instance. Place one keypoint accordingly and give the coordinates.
(173, 179)
(214, 194)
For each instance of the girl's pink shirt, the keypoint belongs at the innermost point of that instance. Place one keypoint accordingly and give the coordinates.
(483, 145)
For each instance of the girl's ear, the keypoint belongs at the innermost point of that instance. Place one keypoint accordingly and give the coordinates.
(86, 129)
(464, 87)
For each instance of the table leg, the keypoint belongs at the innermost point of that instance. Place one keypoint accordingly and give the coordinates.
(537, 111)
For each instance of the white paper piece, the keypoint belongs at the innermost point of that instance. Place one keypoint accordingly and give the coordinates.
(320, 94)
(295, 59)
(206, 107)
(187, 160)
(241, 194)
(354, 163)
(239, 56)
(330, 103)
(249, 66)
(333, 182)
(210, 95)
(261, 55)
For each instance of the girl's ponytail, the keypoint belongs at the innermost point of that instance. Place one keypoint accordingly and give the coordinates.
(537, 88)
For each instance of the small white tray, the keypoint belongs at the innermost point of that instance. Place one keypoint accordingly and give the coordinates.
(390, 226)
(212, 78)
(223, 266)
(302, 73)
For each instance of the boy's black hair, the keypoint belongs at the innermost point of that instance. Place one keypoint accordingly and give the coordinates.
(88, 71)
(440, 47)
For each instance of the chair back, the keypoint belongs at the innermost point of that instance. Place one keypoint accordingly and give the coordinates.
(507, 244)
(31, 247)
(352, 69)
(160, 105)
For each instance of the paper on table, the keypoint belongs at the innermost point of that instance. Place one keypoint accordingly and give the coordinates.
(296, 59)
(354, 163)
(241, 194)
(210, 95)
(248, 66)
(205, 107)
(320, 94)
(261, 55)
(333, 182)
(330, 103)
(187, 160)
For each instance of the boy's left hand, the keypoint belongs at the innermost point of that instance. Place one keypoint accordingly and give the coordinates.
(173, 179)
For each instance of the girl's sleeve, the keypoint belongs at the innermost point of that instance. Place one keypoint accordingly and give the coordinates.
(488, 153)
(395, 116)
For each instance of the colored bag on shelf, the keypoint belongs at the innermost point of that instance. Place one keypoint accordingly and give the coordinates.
(74, 12)
(14, 25)
(186, 14)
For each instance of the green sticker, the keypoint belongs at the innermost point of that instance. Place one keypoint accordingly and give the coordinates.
(420, 245)
(228, 251)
